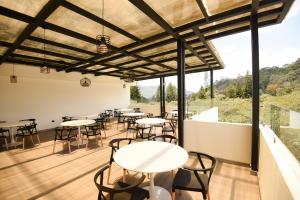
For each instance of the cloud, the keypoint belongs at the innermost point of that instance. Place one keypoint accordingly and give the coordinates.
(295, 10)
(270, 57)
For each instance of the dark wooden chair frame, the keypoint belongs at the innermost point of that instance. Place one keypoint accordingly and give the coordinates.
(196, 172)
(112, 191)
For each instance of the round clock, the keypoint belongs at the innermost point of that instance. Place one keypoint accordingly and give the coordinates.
(85, 82)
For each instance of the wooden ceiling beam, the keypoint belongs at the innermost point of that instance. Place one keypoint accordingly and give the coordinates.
(99, 20)
(43, 14)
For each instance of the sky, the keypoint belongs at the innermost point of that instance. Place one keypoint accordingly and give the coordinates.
(279, 45)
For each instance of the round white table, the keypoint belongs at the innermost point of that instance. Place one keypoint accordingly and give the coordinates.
(93, 116)
(176, 112)
(152, 157)
(124, 110)
(78, 123)
(151, 121)
(11, 126)
(134, 114)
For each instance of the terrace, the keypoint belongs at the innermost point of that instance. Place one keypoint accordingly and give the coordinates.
(46, 47)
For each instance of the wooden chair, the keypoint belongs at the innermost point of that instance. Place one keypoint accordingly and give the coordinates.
(65, 134)
(93, 130)
(170, 127)
(133, 192)
(2, 136)
(165, 138)
(26, 131)
(115, 145)
(193, 178)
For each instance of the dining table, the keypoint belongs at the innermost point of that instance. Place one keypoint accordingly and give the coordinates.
(152, 157)
(78, 123)
(151, 121)
(130, 114)
(11, 126)
(91, 116)
(124, 110)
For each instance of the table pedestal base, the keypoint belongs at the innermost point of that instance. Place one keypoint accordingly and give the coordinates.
(159, 193)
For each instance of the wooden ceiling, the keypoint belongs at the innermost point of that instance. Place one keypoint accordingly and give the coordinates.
(143, 33)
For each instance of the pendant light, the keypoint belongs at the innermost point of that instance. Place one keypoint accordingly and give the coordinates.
(103, 41)
(13, 78)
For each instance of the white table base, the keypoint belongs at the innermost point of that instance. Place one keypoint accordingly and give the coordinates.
(12, 143)
(159, 193)
(156, 192)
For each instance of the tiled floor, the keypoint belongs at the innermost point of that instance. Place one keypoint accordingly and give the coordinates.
(36, 173)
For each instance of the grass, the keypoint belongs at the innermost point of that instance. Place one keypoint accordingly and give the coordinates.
(239, 110)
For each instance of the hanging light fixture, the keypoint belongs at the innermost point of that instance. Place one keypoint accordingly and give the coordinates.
(103, 41)
(13, 78)
(44, 68)
(128, 77)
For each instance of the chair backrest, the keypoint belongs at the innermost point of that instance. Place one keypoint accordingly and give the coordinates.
(60, 132)
(95, 128)
(208, 170)
(115, 145)
(66, 118)
(27, 129)
(137, 110)
(165, 138)
(98, 180)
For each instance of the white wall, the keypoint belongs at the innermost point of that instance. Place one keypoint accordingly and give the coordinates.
(48, 97)
(228, 141)
(279, 171)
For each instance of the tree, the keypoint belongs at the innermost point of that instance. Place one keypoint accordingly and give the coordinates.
(238, 90)
(157, 95)
(272, 89)
(247, 90)
(231, 92)
(202, 93)
(171, 93)
(135, 93)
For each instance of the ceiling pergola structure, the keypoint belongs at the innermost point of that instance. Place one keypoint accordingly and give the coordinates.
(143, 33)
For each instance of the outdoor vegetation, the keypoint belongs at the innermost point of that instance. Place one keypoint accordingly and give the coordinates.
(279, 93)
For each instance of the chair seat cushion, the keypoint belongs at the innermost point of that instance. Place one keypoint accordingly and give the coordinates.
(137, 193)
(187, 180)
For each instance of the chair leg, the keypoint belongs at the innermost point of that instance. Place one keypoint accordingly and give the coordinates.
(6, 143)
(87, 142)
(101, 140)
(69, 146)
(32, 140)
(108, 176)
(23, 143)
(208, 196)
(38, 138)
(54, 146)
(124, 175)
(97, 139)
(173, 195)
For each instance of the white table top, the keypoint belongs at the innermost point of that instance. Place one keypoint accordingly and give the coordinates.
(151, 121)
(87, 116)
(14, 124)
(151, 157)
(79, 122)
(125, 110)
(176, 112)
(133, 114)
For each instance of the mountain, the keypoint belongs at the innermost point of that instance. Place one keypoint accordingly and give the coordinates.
(273, 80)
(150, 91)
